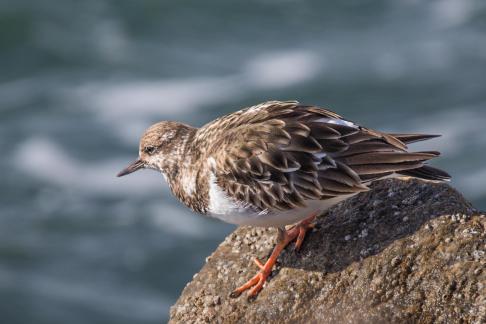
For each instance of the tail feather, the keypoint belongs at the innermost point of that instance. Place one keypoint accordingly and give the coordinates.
(374, 155)
(427, 172)
(412, 138)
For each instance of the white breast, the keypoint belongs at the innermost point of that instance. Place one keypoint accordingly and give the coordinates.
(219, 202)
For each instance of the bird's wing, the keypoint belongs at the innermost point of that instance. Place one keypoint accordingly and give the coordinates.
(277, 155)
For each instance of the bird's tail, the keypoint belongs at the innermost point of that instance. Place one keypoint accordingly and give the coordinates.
(425, 172)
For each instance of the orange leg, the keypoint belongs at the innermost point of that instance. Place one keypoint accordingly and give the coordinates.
(297, 233)
(303, 227)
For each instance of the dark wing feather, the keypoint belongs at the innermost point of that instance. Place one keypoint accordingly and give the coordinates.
(277, 155)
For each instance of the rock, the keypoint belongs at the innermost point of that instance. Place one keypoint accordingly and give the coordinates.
(362, 264)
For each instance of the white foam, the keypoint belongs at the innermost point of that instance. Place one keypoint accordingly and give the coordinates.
(45, 160)
(450, 13)
(128, 107)
(282, 69)
(122, 99)
(173, 98)
(180, 221)
(119, 100)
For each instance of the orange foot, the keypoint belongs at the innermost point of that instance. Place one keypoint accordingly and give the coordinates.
(297, 233)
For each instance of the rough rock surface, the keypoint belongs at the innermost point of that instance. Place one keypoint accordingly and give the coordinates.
(407, 251)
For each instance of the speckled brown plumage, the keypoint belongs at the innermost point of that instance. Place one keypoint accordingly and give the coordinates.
(277, 155)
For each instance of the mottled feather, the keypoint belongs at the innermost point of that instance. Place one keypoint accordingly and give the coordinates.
(277, 155)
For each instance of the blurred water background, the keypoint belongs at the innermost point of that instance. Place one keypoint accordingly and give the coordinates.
(81, 80)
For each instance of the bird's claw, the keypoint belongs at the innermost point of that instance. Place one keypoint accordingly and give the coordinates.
(256, 284)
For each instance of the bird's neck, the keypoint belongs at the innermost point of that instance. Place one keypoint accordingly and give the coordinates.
(186, 174)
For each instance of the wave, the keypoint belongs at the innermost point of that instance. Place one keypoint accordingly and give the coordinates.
(182, 221)
(104, 297)
(45, 160)
(281, 69)
(128, 106)
(451, 13)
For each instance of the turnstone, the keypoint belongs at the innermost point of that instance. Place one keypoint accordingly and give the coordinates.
(276, 164)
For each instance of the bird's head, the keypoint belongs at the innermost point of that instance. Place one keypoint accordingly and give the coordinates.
(159, 147)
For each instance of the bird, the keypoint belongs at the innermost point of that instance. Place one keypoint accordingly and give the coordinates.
(277, 164)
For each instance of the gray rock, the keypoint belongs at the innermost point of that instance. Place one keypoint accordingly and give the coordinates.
(430, 268)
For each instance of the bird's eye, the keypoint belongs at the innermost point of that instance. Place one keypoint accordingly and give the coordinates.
(149, 150)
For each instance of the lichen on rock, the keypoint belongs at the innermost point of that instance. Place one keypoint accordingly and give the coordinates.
(407, 251)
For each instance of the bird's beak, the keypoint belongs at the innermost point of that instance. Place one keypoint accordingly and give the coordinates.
(137, 165)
